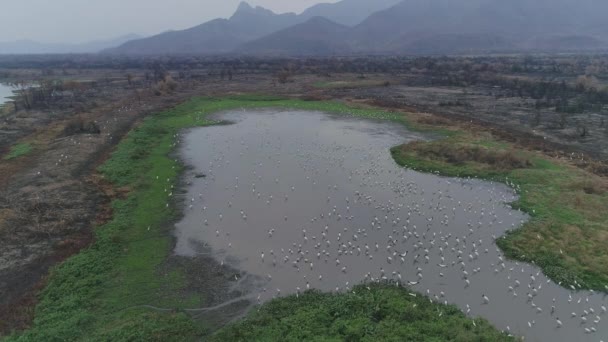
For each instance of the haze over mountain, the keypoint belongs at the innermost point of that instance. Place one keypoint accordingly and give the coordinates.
(466, 26)
(32, 47)
(222, 36)
(408, 27)
(317, 36)
(444, 26)
(213, 37)
(348, 12)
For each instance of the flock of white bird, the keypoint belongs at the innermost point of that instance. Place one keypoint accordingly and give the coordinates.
(314, 207)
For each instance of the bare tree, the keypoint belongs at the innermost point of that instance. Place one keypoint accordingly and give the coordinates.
(563, 120)
(582, 131)
(587, 82)
(22, 88)
(129, 77)
(46, 90)
(283, 76)
(537, 117)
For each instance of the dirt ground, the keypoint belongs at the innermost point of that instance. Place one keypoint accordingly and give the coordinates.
(51, 199)
(489, 107)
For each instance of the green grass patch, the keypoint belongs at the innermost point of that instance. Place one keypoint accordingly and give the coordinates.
(568, 231)
(19, 150)
(374, 313)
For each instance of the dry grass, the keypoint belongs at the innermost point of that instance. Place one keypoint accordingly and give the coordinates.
(460, 154)
(432, 120)
(352, 84)
(5, 216)
(597, 186)
(79, 125)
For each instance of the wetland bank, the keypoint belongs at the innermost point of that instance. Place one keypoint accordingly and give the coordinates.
(129, 256)
(5, 92)
(303, 200)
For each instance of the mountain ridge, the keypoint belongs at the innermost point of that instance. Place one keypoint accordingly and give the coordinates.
(406, 27)
(216, 36)
(248, 23)
(467, 26)
(349, 12)
(316, 36)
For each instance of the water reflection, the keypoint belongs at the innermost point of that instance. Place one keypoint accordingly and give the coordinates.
(5, 92)
(308, 200)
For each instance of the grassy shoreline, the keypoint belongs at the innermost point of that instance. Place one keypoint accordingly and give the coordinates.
(568, 230)
(374, 312)
(97, 294)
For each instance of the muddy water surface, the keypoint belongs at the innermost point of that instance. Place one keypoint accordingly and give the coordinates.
(5, 92)
(303, 200)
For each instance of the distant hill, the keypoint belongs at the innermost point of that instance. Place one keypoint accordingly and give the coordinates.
(221, 36)
(453, 26)
(317, 36)
(393, 27)
(564, 43)
(22, 47)
(348, 12)
(462, 26)
(214, 37)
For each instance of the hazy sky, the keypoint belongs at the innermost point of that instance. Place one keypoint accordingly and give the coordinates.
(85, 20)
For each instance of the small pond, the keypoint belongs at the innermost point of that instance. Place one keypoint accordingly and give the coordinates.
(301, 200)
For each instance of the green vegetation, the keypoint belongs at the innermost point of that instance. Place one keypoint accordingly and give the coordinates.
(375, 313)
(90, 295)
(98, 294)
(568, 231)
(19, 150)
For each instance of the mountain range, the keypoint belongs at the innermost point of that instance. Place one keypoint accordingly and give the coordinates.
(453, 26)
(214, 37)
(456, 26)
(355, 27)
(223, 36)
(347, 12)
